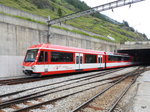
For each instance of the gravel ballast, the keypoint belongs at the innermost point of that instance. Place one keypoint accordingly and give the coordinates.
(63, 105)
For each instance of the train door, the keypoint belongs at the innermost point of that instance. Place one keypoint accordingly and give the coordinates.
(43, 61)
(105, 61)
(100, 61)
(79, 61)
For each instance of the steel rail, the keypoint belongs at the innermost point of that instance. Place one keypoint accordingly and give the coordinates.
(120, 97)
(59, 98)
(17, 80)
(36, 95)
(123, 93)
(13, 93)
(100, 93)
(49, 101)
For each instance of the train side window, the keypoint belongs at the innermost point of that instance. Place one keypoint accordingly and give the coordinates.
(100, 60)
(118, 58)
(46, 56)
(126, 58)
(90, 58)
(43, 57)
(114, 58)
(61, 57)
(81, 59)
(77, 59)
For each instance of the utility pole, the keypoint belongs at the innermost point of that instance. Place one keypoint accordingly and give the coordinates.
(49, 31)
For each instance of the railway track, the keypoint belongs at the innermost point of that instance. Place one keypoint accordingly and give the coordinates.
(33, 79)
(79, 79)
(108, 99)
(56, 92)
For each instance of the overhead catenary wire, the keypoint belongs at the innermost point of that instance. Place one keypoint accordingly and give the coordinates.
(100, 8)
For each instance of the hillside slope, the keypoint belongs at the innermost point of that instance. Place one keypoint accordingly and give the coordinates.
(96, 23)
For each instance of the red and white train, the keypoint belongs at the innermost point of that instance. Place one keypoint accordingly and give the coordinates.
(47, 59)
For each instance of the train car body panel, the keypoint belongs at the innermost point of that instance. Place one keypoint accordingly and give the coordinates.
(47, 59)
(61, 67)
(121, 64)
(114, 60)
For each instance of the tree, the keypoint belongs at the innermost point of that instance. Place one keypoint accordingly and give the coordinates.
(59, 12)
(53, 1)
(144, 35)
(126, 23)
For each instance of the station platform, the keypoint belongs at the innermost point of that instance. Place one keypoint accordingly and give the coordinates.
(141, 102)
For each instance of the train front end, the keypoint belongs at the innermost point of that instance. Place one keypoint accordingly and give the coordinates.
(29, 64)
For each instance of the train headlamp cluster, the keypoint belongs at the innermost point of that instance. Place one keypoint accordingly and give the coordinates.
(32, 67)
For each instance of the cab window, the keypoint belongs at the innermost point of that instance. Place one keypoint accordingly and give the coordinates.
(31, 55)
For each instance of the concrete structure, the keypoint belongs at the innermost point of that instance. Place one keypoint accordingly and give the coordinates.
(16, 12)
(16, 35)
(140, 50)
(135, 45)
(141, 101)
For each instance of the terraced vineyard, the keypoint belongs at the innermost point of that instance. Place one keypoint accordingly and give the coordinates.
(96, 23)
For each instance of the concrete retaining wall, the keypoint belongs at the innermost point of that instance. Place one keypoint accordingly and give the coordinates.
(20, 34)
(14, 11)
(16, 35)
(11, 66)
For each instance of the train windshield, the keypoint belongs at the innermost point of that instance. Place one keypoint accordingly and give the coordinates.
(31, 55)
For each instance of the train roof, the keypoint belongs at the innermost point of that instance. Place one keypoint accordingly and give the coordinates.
(64, 48)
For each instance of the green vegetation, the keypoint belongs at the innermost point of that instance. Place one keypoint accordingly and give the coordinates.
(96, 23)
(59, 12)
(83, 33)
(21, 17)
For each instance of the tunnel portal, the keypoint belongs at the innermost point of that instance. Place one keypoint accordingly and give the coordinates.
(140, 55)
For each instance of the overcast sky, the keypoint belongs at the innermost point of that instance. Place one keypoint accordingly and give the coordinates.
(138, 15)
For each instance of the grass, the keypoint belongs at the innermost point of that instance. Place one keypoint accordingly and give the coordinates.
(24, 18)
(87, 23)
(83, 33)
(63, 28)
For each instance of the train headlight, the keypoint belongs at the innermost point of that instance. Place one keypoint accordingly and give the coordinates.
(32, 67)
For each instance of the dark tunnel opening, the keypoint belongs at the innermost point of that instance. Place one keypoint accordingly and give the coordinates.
(140, 55)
